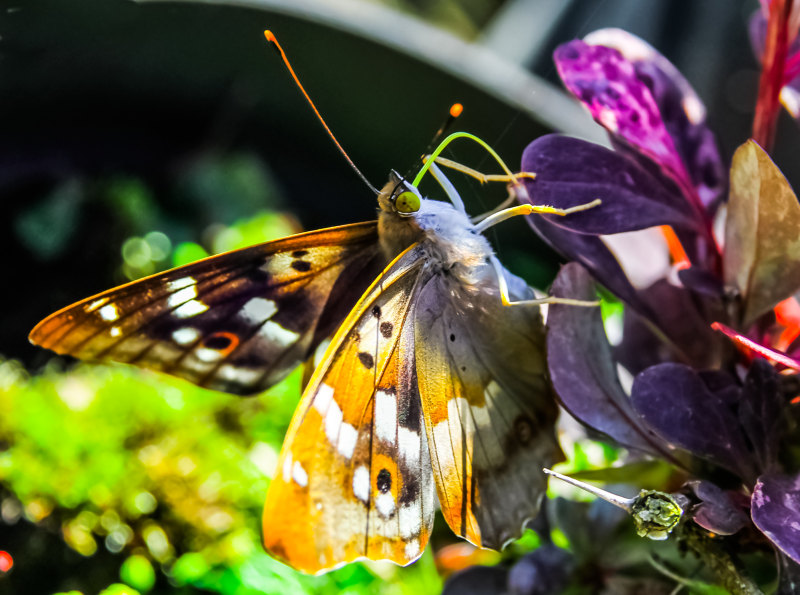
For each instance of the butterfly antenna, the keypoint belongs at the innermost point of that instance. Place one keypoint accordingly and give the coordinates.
(274, 41)
(453, 114)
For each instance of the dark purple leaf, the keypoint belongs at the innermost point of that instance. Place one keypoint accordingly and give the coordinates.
(593, 254)
(679, 407)
(762, 249)
(719, 511)
(701, 281)
(581, 367)
(681, 110)
(775, 509)
(571, 172)
(544, 571)
(607, 84)
(760, 411)
(681, 318)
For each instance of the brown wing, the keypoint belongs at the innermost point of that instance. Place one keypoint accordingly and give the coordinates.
(488, 408)
(354, 477)
(237, 322)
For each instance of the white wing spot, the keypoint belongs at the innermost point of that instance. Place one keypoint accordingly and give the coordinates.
(204, 354)
(412, 549)
(95, 305)
(189, 309)
(385, 504)
(299, 474)
(108, 312)
(287, 467)
(181, 296)
(347, 440)
(115, 331)
(258, 310)
(385, 416)
(244, 376)
(323, 398)
(333, 421)
(361, 483)
(409, 445)
(277, 334)
(185, 335)
(410, 519)
(180, 283)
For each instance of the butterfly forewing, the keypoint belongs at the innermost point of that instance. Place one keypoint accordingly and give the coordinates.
(237, 322)
(354, 475)
(488, 408)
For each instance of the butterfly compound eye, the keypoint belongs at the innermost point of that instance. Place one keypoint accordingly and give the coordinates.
(407, 202)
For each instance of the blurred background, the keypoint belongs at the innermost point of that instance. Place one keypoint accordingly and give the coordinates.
(136, 136)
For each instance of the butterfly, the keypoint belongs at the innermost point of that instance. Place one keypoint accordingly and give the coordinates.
(431, 388)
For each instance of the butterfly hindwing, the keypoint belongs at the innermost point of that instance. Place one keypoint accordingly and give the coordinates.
(488, 408)
(354, 477)
(237, 322)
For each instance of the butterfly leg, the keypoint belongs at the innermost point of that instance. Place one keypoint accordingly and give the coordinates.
(482, 177)
(505, 296)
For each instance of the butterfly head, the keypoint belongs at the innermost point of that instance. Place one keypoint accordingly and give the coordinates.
(399, 196)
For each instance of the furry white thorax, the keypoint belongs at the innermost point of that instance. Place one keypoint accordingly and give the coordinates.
(452, 240)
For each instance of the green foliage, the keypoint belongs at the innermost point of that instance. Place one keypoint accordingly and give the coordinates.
(170, 476)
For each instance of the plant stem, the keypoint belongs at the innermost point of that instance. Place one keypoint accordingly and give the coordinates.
(776, 47)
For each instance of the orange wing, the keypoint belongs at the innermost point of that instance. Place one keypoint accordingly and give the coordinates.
(354, 477)
(236, 322)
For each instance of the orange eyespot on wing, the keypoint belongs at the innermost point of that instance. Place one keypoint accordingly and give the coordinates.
(354, 477)
(236, 322)
(488, 409)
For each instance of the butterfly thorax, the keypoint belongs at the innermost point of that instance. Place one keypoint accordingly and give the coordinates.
(447, 236)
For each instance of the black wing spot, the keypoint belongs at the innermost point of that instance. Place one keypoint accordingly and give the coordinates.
(299, 253)
(376, 311)
(301, 266)
(463, 368)
(217, 342)
(384, 481)
(452, 337)
(366, 359)
(386, 329)
(523, 428)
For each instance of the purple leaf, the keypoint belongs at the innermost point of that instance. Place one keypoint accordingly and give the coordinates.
(681, 110)
(676, 403)
(760, 409)
(582, 369)
(775, 509)
(607, 84)
(681, 318)
(572, 172)
(545, 570)
(762, 233)
(719, 511)
(593, 254)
